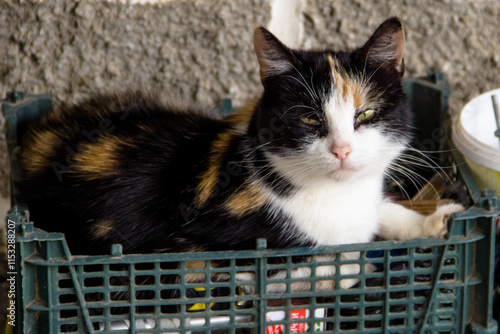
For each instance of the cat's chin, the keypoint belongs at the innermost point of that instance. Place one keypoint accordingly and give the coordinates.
(343, 173)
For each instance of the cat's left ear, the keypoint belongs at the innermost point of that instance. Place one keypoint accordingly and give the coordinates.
(385, 47)
(274, 57)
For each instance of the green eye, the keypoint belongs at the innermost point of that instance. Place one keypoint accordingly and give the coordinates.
(311, 120)
(365, 115)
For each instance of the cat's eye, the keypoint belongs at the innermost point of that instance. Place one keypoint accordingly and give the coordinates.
(311, 120)
(365, 116)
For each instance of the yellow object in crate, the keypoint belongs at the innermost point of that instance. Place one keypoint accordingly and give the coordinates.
(474, 136)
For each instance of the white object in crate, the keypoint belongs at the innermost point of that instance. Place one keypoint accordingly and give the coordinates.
(296, 327)
(474, 136)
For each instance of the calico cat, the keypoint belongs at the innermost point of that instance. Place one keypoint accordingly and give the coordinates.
(304, 165)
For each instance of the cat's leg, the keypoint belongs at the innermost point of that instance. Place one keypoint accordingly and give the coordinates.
(400, 223)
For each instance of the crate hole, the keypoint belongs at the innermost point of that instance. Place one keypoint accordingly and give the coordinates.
(170, 309)
(245, 262)
(426, 250)
(373, 324)
(220, 277)
(145, 295)
(144, 266)
(325, 285)
(194, 278)
(93, 268)
(170, 294)
(170, 265)
(397, 322)
(446, 291)
(218, 264)
(300, 286)
(349, 298)
(66, 314)
(63, 270)
(277, 260)
(244, 290)
(118, 267)
(374, 282)
(422, 264)
(145, 280)
(69, 328)
(446, 305)
(325, 300)
(149, 309)
(98, 326)
(196, 293)
(303, 259)
(398, 295)
(401, 308)
(349, 312)
(93, 281)
(421, 293)
(450, 262)
(220, 292)
(67, 298)
(119, 281)
(399, 266)
(418, 307)
(349, 325)
(448, 277)
(244, 305)
(119, 295)
(242, 276)
(448, 319)
(374, 297)
(276, 274)
(94, 297)
(96, 312)
(65, 283)
(220, 306)
(399, 280)
(423, 278)
(120, 310)
(170, 279)
(373, 310)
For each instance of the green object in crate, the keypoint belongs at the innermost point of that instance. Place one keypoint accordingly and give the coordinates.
(420, 286)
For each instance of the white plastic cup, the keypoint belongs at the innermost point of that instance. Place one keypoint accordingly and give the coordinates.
(474, 136)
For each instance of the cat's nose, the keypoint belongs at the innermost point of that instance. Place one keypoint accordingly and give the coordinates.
(341, 152)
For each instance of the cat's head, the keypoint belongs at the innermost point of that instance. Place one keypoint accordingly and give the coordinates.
(332, 115)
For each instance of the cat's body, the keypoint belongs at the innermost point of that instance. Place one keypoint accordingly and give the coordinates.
(302, 166)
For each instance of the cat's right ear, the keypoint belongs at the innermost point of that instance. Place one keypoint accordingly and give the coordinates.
(274, 57)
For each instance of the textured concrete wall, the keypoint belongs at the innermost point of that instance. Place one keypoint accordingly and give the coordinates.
(202, 50)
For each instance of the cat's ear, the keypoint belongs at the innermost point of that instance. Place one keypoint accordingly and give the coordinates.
(385, 47)
(274, 57)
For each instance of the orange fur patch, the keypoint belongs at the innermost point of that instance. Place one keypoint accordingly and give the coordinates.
(37, 154)
(351, 88)
(99, 159)
(248, 199)
(100, 229)
(209, 178)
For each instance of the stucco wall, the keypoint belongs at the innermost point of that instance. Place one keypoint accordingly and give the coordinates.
(202, 50)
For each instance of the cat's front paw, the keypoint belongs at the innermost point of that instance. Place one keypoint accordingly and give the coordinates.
(435, 225)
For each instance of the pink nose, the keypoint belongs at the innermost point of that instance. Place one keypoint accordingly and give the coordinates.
(341, 152)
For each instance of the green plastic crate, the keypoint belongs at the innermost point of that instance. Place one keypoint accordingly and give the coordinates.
(420, 286)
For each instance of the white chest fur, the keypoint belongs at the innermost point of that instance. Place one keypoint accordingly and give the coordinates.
(333, 213)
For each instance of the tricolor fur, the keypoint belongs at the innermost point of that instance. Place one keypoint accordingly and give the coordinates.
(304, 165)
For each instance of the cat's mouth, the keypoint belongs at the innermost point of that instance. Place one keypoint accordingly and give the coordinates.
(343, 171)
